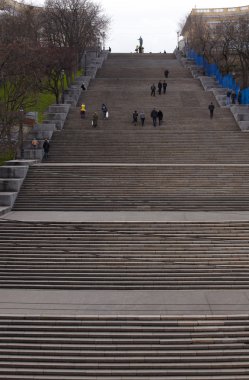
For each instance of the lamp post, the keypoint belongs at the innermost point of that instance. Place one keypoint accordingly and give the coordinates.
(98, 47)
(62, 86)
(85, 62)
(103, 40)
(21, 113)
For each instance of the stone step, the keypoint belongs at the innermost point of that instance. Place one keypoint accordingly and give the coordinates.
(124, 256)
(55, 348)
(134, 188)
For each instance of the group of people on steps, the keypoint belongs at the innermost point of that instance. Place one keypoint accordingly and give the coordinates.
(35, 144)
(95, 116)
(155, 116)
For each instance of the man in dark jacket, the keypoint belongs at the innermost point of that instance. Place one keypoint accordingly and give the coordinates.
(95, 120)
(164, 86)
(160, 116)
(134, 117)
(166, 73)
(211, 110)
(153, 90)
(154, 116)
(46, 148)
(104, 110)
(159, 87)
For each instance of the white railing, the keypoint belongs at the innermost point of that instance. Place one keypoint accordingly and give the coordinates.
(220, 10)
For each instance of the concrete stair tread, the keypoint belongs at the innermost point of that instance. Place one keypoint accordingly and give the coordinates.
(69, 354)
(124, 255)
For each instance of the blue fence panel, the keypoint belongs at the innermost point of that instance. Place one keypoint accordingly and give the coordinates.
(226, 81)
(245, 96)
(212, 69)
(199, 60)
(237, 89)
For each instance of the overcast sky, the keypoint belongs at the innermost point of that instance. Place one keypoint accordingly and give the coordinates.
(157, 21)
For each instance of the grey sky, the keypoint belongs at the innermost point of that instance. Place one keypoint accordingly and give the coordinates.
(156, 21)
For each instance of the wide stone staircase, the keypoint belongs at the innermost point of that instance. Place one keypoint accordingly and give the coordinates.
(187, 134)
(135, 188)
(162, 256)
(87, 348)
(128, 276)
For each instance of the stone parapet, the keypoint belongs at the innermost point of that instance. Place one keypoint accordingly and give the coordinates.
(55, 116)
(11, 178)
(55, 119)
(241, 115)
(20, 162)
(10, 184)
(35, 154)
(60, 108)
(7, 171)
(7, 198)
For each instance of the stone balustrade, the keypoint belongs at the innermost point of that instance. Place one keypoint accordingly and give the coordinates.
(12, 175)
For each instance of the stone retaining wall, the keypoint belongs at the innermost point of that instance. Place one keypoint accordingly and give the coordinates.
(56, 114)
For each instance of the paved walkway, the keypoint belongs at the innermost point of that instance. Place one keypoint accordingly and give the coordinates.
(95, 216)
(137, 164)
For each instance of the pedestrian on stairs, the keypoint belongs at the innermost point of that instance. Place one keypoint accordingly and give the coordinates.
(228, 98)
(134, 117)
(160, 117)
(159, 86)
(154, 116)
(165, 84)
(95, 120)
(46, 148)
(34, 143)
(104, 111)
(239, 97)
(83, 111)
(233, 97)
(211, 110)
(153, 90)
(166, 73)
(142, 117)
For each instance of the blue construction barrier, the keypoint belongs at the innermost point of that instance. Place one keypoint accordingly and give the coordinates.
(226, 81)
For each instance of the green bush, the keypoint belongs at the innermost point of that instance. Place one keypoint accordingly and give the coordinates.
(44, 100)
(6, 154)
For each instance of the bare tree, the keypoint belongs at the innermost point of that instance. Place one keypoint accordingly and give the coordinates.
(37, 46)
(76, 24)
(57, 61)
(20, 74)
(240, 47)
(23, 26)
(198, 34)
(225, 43)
